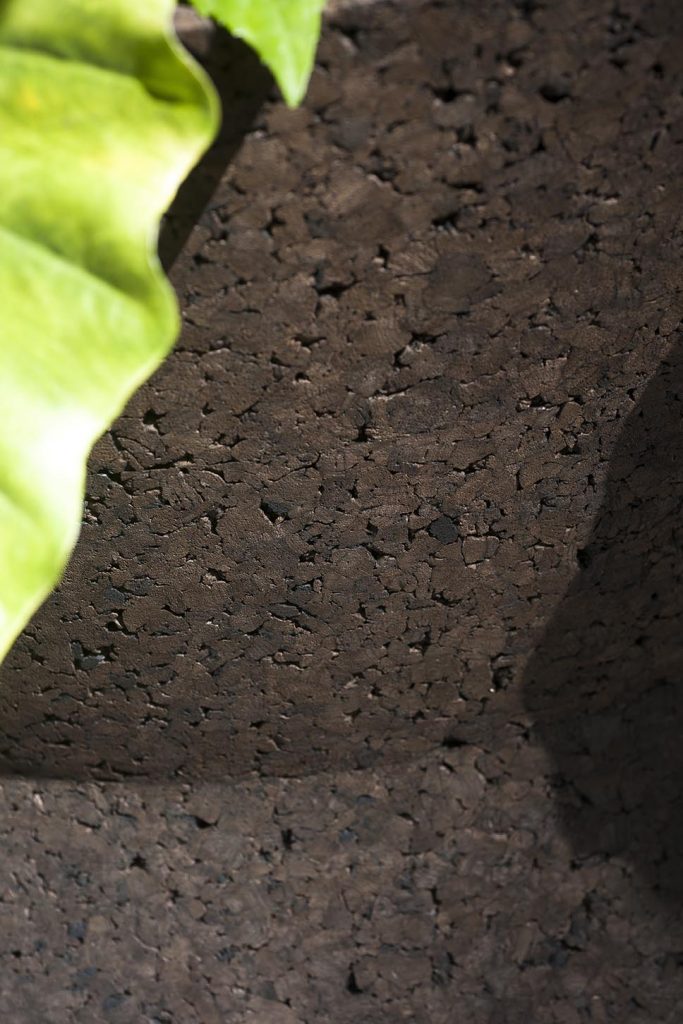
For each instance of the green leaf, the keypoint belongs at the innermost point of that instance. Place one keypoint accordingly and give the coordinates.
(102, 114)
(284, 33)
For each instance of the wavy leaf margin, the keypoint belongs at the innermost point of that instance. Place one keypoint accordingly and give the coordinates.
(102, 115)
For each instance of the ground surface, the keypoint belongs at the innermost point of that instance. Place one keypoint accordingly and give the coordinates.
(376, 616)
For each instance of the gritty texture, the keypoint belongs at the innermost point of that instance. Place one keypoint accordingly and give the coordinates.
(417, 313)
(378, 600)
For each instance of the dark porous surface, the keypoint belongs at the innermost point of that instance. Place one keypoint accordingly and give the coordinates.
(360, 700)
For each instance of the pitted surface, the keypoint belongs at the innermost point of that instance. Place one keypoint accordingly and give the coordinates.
(401, 517)
(416, 314)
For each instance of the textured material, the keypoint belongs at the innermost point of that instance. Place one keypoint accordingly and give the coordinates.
(333, 528)
(401, 510)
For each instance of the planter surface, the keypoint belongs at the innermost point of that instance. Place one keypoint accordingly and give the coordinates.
(360, 698)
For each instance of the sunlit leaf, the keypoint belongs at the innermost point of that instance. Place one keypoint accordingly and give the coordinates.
(284, 33)
(102, 114)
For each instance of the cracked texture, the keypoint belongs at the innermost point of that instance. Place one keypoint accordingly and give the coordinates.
(402, 488)
(331, 529)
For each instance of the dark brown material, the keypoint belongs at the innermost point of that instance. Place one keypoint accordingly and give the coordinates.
(416, 314)
(401, 516)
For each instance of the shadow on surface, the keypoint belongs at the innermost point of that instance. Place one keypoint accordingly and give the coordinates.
(604, 685)
(243, 84)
